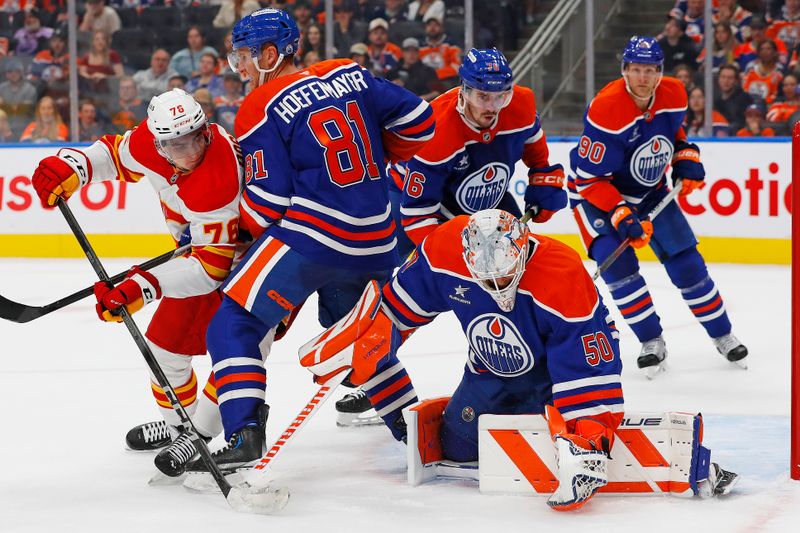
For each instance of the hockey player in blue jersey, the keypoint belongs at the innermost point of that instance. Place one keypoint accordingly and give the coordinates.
(632, 132)
(315, 142)
(483, 128)
(538, 335)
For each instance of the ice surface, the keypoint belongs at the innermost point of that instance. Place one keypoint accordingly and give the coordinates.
(73, 386)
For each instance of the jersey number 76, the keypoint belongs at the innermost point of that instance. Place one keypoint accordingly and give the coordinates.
(343, 137)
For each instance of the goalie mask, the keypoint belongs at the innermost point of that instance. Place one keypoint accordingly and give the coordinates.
(495, 252)
(179, 126)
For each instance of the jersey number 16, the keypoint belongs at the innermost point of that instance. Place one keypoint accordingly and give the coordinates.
(342, 137)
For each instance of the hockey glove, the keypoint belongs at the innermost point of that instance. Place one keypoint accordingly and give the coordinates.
(545, 193)
(686, 166)
(629, 226)
(582, 459)
(55, 178)
(137, 290)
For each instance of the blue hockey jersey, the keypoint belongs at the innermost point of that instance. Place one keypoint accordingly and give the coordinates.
(315, 145)
(463, 169)
(559, 335)
(621, 145)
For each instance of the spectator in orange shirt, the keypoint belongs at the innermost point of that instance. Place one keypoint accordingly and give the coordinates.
(787, 103)
(438, 53)
(47, 126)
(383, 55)
(754, 123)
(764, 75)
(746, 53)
(787, 26)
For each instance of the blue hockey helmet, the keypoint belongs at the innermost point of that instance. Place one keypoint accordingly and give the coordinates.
(486, 70)
(643, 50)
(267, 26)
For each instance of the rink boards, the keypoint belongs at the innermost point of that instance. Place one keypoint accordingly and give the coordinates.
(742, 216)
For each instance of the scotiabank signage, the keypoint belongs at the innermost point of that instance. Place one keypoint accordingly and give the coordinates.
(109, 207)
(747, 195)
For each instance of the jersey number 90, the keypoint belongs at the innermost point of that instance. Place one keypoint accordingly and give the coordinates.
(594, 150)
(342, 137)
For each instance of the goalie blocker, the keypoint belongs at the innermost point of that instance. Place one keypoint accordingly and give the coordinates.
(652, 453)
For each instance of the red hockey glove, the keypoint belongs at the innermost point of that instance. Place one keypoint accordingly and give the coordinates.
(137, 290)
(54, 178)
(545, 192)
(629, 226)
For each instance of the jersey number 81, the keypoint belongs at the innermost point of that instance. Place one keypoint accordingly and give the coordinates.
(343, 136)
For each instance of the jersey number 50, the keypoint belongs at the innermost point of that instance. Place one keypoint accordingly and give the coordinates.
(343, 136)
(596, 348)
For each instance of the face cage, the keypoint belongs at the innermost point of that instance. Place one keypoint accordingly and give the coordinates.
(164, 150)
(506, 296)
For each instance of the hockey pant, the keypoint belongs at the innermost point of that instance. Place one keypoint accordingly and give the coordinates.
(260, 292)
(675, 246)
(176, 334)
(478, 394)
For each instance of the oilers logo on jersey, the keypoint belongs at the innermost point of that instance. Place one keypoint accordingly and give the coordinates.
(497, 343)
(484, 188)
(650, 160)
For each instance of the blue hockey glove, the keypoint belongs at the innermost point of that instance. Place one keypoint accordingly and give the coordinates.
(545, 193)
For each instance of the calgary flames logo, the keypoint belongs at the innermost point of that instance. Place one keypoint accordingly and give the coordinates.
(484, 188)
(496, 342)
(651, 159)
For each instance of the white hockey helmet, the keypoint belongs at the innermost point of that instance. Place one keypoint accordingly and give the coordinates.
(495, 252)
(174, 114)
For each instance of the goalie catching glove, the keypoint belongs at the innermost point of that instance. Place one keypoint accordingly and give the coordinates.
(545, 193)
(138, 289)
(359, 341)
(60, 176)
(582, 459)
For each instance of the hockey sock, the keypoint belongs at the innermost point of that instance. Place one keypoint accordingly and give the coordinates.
(207, 419)
(178, 370)
(634, 302)
(389, 391)
(688, 272)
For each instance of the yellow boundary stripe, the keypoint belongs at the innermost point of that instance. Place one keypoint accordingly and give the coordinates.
(714, 249)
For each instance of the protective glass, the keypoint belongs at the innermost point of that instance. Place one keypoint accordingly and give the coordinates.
(485, 101)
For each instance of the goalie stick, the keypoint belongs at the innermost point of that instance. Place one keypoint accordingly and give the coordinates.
(241, 498)
(650, 216)
(21, 313)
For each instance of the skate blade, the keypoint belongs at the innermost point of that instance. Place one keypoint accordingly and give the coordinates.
(159, 479)
(741, 363)
(204, 483)
(651, 372)
(357, 420)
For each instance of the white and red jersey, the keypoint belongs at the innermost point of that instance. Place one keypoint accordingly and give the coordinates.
(201, 206)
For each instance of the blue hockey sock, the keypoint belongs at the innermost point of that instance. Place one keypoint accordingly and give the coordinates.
(634, 302)
(389, 391)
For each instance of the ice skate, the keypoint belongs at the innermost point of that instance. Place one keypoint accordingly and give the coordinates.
(243, 448)
(733, 350)
(652, 358)
(355, 410)
(172, 460)
(148, 437)
(719, 482)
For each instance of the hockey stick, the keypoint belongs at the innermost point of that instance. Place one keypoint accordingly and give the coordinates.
(650, 216)
(262, 503)
(21, 313)
(260, 473)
